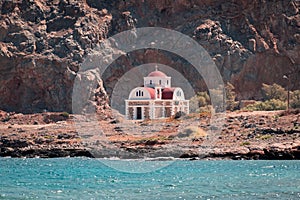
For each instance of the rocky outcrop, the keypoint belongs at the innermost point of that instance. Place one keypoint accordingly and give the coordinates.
(42, 44)
(44, 153)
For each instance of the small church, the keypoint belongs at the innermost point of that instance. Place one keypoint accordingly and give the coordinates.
(155, 99)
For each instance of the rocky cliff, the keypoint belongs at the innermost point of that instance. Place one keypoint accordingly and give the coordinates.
(42, 44)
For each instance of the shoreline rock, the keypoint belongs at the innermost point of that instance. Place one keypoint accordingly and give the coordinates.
(44, 153)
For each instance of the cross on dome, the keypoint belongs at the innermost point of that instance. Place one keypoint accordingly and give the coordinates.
(157, 73)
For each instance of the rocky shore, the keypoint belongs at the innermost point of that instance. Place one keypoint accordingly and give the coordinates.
(244, 135)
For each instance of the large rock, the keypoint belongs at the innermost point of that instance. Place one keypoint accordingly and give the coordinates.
(41, 46)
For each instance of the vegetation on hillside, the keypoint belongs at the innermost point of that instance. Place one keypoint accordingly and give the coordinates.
(274, 97)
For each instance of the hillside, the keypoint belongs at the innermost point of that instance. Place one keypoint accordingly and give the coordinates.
(43, 43)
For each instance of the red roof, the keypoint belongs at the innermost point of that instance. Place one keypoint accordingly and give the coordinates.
(167, 93)
(157, 74)
(151, 92)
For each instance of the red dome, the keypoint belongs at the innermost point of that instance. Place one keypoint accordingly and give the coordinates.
(151, 91)
(157, 74)
(167, 93)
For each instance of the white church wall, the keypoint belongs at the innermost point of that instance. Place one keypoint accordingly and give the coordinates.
(178, 94)
(157, 81)
(139, 93)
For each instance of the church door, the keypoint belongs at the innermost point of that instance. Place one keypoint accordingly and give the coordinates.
(139, 113)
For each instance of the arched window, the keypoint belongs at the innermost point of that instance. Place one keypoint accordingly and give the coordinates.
(139, 93)
(159, 82)
(178, 93)
(150, 82)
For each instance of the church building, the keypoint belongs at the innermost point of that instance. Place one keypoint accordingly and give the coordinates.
(156, 99)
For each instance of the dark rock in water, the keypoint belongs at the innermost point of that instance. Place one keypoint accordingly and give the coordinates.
(272, 154)
(45, 153)
(189, 155)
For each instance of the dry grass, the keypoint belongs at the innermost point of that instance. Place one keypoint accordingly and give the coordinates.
(193, 132)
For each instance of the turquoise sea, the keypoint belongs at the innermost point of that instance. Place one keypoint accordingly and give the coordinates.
(83, 178)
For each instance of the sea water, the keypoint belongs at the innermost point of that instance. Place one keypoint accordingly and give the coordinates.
(84, 178)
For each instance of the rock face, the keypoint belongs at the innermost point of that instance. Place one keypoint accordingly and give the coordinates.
(42, 44)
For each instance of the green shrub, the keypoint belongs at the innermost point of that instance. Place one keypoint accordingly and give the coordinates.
(245, 143)
(265, 137)
(201, 99)
(274, 91)
(205, 109)
(295, 99)
(273, 104)
(65, 114)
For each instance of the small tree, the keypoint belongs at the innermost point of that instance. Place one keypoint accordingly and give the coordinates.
(295, 99)
(201, 99)
(274, 91)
